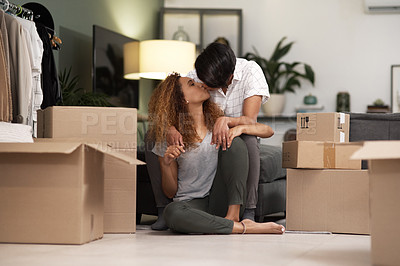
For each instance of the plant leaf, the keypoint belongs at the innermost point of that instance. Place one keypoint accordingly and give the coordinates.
(309, 73)
(282, 76)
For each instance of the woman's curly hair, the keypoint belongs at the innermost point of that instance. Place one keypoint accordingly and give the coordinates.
(167, 107)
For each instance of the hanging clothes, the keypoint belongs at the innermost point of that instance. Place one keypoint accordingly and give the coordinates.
(50, 83)
(28, 74)
(20, 69)
(35, 46)
(6, 114)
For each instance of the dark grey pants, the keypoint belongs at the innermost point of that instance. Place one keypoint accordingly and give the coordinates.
(253, 176)
(229, 188)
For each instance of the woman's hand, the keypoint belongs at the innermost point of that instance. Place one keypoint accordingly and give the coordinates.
(172, 153)
(174, 137)
(221, 133)
(233, 133)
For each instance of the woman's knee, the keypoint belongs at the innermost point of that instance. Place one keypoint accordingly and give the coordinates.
(174, 211)
(236, 153)
(238, 146)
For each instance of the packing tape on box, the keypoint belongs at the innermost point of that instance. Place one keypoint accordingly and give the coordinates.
(342, 137)
(342, 118)
(329, 155)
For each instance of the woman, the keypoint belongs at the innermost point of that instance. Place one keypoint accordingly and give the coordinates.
(208, 185)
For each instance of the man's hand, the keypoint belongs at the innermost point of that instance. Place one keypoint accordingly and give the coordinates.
(172, 153)
(174, 137)
(220, 135)
(235, 132)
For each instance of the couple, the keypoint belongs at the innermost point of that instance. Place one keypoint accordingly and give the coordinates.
(204, 166)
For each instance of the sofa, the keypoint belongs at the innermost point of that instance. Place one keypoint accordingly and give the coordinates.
(374, 126)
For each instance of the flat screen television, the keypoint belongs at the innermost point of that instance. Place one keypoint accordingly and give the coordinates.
(108, 68)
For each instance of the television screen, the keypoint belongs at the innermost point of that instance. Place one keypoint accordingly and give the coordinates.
(108, 68)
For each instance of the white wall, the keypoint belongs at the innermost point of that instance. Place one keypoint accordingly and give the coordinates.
(348, 49)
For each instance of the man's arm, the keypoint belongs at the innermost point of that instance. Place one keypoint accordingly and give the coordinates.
(257, 129)
(174, 137)
(251, 108)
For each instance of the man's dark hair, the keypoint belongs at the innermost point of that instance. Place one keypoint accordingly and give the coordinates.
(215, 65)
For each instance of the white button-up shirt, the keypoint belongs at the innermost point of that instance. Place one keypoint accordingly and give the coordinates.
(248, 80)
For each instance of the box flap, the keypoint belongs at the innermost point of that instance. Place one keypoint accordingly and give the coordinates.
(375, 150)
(39, 147)
(118, 155)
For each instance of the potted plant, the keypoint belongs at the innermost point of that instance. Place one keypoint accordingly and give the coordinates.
(281, 76)
(74, 96)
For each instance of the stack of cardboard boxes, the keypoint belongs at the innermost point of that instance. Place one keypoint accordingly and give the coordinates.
(77, 181)
(326, 191)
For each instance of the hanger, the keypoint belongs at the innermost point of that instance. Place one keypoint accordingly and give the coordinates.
(5, 5)
(55, 42)
(17, 10)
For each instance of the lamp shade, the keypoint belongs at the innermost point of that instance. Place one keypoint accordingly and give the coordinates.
(131, 60)
(160, 57)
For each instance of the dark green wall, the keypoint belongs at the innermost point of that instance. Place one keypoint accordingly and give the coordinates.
(74, 20)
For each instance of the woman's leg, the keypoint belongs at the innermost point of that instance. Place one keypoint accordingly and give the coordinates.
(253, 176)
(229, 189)
(250, 227)
(228, 192)
(191, 218)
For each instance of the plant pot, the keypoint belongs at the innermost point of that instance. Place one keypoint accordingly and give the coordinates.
(275, 105)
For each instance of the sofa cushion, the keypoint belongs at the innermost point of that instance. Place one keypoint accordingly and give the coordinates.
(371, 126)
(271, 198)
(271, 163)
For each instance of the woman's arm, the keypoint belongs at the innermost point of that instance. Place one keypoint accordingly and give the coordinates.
(169, 170)
(257, 129)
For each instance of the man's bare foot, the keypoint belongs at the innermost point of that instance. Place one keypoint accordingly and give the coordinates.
(258, 228)
(233, 213)
(232, 218)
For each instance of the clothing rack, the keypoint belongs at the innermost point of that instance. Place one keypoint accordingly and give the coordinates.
(16, 10)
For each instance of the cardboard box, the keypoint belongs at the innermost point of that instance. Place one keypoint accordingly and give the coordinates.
(328, 200)
(120, 194)
(53, 192)
(114, 127)
(119, 189)
(384, 169)
(323, 127)
(320, 155)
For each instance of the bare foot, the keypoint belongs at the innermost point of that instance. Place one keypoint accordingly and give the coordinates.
(233, 213)
(262, 228)
(232, 218)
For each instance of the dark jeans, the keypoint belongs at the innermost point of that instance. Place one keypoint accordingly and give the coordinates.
(229, 188)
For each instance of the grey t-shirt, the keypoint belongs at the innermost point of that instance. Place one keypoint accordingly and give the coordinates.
(196, 169)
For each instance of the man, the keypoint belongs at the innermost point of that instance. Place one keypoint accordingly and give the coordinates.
(239, 87)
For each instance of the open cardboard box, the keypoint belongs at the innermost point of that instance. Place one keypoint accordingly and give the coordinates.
(110, 127)
(384, 168)
(120, 194)
(53, 192)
